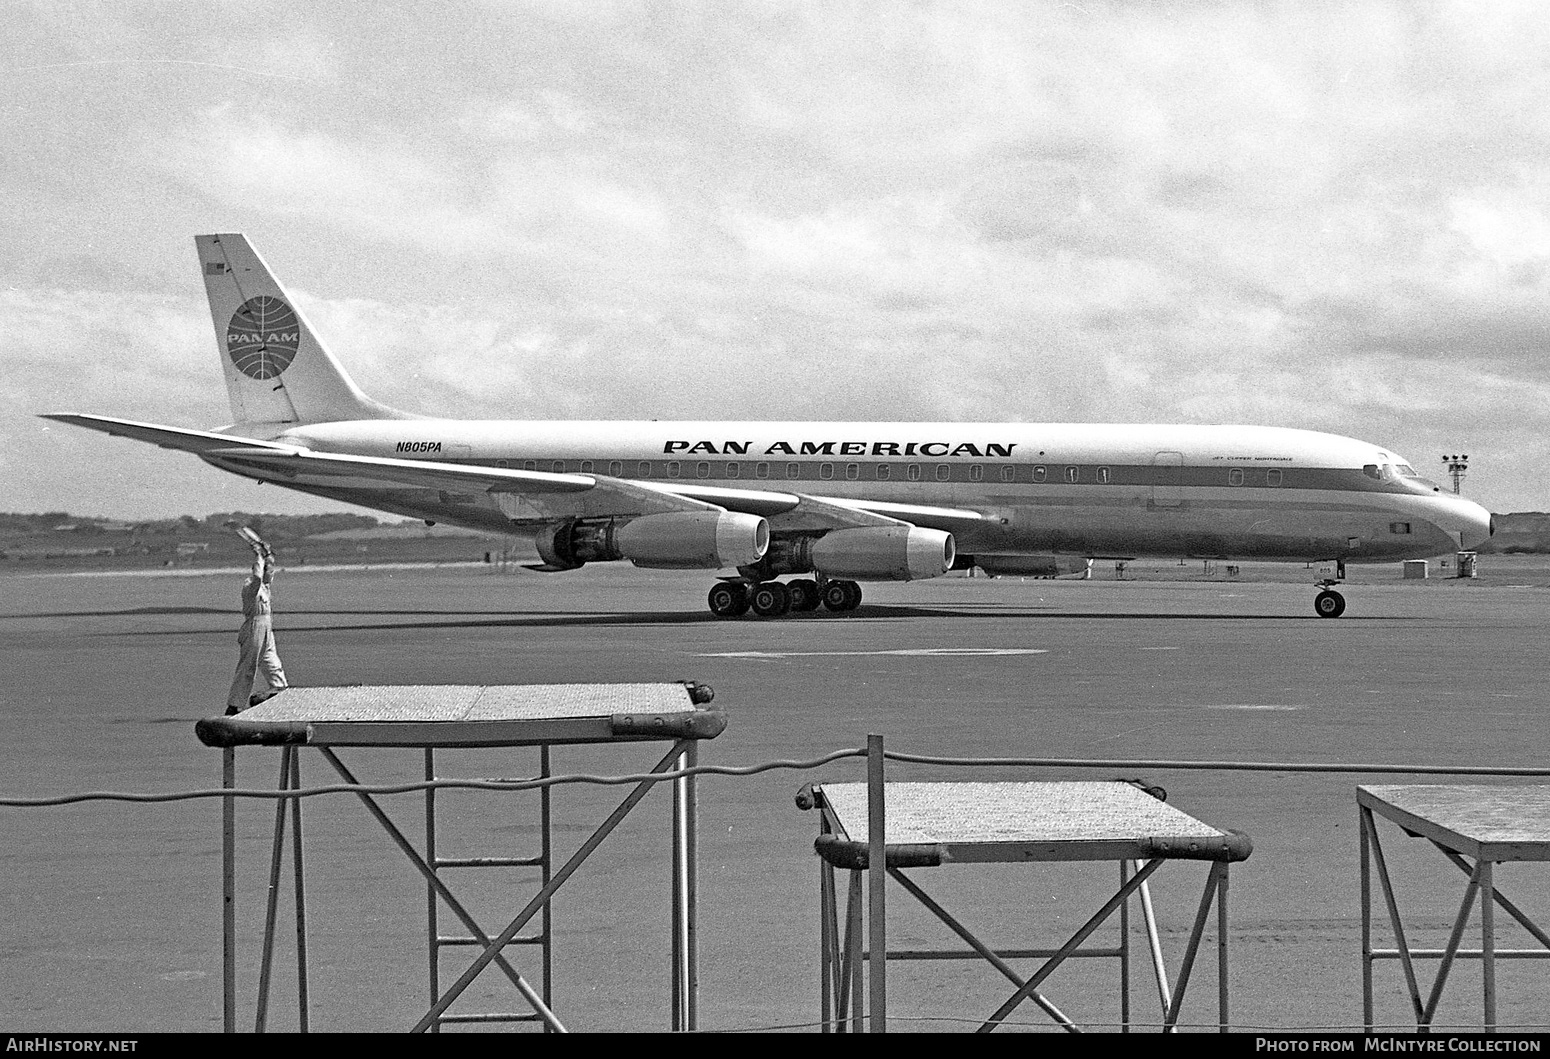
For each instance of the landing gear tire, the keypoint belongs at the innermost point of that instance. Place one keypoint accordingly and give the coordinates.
(842, 595)
(769, 599)
(728, 599)
(804, 595)
(1329, 604)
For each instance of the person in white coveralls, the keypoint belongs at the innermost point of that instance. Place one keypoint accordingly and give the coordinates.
(256, 637)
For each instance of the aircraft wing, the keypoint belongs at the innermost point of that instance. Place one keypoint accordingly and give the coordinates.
(801, 511)
(604, 495)
(950, 519)
(785, 511)
(521, 495)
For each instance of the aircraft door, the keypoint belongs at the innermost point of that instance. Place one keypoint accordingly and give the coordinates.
(1167, 477)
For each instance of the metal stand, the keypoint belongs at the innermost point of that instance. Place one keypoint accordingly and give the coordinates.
(290, 779)
(933, 824)
(543, 939)
(432, 718)
(1490, 825)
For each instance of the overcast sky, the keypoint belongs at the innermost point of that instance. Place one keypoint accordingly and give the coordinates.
(1331, 216)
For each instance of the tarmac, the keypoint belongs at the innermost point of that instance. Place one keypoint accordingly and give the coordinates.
(112, 910)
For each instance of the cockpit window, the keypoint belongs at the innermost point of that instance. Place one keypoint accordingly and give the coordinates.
(1407, 470)
(1371, 470)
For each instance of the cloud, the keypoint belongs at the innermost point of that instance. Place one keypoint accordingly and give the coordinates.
(384, 190)
(135, 356)
(1509, 232)
(1268, 213)
(137, 346)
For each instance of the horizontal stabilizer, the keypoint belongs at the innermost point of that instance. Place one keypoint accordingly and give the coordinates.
(179, 438)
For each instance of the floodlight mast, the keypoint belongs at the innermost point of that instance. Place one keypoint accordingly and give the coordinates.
(1457, 467)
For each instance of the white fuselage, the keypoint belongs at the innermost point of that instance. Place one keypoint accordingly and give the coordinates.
(1077, 489)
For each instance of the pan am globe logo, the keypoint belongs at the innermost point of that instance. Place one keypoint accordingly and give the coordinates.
(262, 337)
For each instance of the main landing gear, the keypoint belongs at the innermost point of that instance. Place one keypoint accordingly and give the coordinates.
(771, 599)
(1329, 603)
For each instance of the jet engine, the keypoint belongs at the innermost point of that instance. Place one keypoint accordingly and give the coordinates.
(694, 539)
(687, 540)
(883, 553)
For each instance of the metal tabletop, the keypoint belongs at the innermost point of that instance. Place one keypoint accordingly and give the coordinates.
(1489, 823)
(1002, 821)
(469, 715)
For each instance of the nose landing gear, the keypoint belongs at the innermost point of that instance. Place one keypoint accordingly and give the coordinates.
(1329, 603)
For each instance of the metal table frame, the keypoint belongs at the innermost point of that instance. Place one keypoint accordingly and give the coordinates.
(1492, 825)
(563, 714)
(1139, 856)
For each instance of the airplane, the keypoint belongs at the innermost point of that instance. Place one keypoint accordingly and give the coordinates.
(832, 503)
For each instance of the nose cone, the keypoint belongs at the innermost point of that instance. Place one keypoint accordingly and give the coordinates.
(1474, 525)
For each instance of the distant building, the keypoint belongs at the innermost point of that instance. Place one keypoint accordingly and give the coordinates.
(191, 548)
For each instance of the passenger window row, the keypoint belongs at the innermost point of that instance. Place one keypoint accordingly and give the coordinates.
(882, 472)
(1235, 476)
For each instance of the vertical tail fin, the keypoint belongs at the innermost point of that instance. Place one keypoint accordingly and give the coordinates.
(277, 371)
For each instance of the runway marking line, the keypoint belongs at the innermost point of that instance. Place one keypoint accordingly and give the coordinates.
(914, 652)
(1255, 706)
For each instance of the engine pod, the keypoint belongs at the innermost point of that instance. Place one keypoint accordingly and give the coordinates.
(884, 553)
(693, 540)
